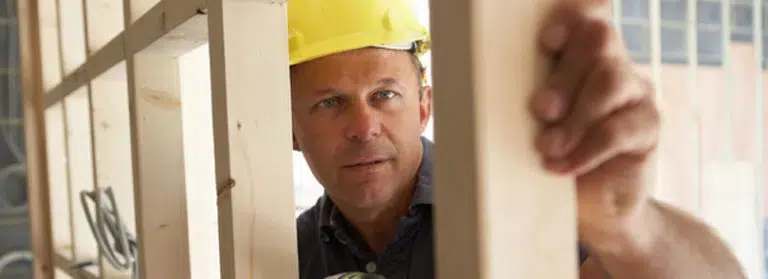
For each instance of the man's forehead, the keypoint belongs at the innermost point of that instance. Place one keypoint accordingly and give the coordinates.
(368, 65)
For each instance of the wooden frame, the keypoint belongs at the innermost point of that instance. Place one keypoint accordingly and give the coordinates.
(118, 72)
(112, 70)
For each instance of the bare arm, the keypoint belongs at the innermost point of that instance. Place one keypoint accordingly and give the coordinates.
(677, 246)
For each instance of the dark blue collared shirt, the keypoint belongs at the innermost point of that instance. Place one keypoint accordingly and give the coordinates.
(328, 245)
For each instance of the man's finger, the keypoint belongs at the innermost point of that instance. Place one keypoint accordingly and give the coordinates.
(559, 23)
(611, 85)
(631, 131)
(581, 53)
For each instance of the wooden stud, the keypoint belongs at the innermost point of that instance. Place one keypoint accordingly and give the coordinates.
(203, 223)
(158, 169)
(77, 133)
(497, 213)
(112, 147)
(57, 175)
(49, 44)
(106, 23)
(76, 117)
(32, 86)
(252, 147)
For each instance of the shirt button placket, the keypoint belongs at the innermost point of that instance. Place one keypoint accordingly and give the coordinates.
(370, 267)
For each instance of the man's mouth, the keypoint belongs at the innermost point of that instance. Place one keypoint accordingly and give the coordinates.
(366, 163)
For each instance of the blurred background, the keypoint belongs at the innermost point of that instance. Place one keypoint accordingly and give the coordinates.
(14, 227)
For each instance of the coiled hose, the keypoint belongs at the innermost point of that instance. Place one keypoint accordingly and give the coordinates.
(124, 255)
(14, 256)
(8, 206)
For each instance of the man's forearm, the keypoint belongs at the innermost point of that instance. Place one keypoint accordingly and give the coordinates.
(671, 244)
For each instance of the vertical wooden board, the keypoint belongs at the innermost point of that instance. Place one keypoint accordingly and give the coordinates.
(80, 169)
(38, 190)
(57, 175)
(72, 30)
(139, 7)
(498, 214)
(112, 147)
(195, 76)
(105, 21)
(156, 133)
(249, 67)
(49, 44)
(60, 274)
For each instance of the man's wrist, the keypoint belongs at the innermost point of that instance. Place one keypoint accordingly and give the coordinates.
(631, 239)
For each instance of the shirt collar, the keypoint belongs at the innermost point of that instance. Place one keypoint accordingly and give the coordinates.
(329, 216)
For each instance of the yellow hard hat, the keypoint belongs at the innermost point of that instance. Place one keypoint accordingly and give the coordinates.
(318, 28)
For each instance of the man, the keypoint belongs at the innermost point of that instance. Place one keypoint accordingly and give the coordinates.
(359, 106)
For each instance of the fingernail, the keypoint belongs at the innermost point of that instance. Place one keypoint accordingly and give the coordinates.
(554, 38)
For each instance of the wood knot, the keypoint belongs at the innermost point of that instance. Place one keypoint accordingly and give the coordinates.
(221, 189)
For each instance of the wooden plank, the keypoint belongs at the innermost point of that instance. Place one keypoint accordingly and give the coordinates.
(80, 173)
(32, 86)
(65, 264)
(497, 213)
(108, 50)
(252, 147)
(49, 44)
(112, 146)
(198, 150)
(72, 29)
(77, 131)
(158, 169)
(58, 181)
(105, 22)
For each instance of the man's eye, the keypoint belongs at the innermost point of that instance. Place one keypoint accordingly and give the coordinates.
(327, 103)
(385, 95)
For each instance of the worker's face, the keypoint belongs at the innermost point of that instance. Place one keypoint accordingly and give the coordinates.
(357, 118)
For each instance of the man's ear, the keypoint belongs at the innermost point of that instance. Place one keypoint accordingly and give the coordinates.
(296, 144)
(425, 107)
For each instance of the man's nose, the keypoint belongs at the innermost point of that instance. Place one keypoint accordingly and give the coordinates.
(364, 124)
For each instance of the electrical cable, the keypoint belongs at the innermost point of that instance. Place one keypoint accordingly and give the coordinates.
(14, 256)
(108, 215)
(7, 206)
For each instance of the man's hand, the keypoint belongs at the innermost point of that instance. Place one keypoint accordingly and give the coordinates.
(601, 123)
